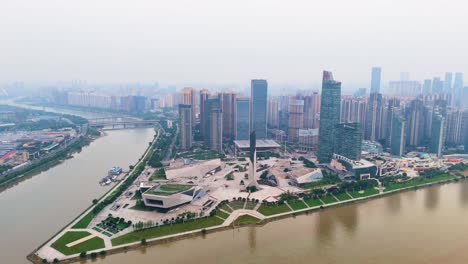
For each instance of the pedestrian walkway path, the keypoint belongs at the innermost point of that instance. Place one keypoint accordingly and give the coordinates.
(79, 241)
(286, 203)
(242, 212)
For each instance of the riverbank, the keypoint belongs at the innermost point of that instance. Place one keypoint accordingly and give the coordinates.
(44, 164)
(227, 225)
(110, 194)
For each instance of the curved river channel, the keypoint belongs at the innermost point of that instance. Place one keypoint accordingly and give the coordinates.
(424, 226)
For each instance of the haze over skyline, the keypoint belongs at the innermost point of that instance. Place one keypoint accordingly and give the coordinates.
(207, 41)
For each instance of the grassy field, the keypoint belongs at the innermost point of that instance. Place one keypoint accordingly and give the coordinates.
(343, 197)
(273, 209)
(297, 204)
(68, 237)
(246, 219)
(313, 202)
(166, 230)
(84, 222)
(225, 208)
(158, 174)
(417, 181)
(328, 199)
(364, 193)
(250, 205)
(174, 187)
(222, 214)
(236, 204)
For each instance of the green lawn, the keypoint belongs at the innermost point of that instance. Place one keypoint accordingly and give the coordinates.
(417, 181)
(166, 230)
(313, 202)
(84, 221)
(364, 193)
(343, 196)
(225, 208)
(168, 189)
(159, 174)
(236, 204)
(297, 204)
(174, 187)
(222, 214)
(250, 205)
(246, 220)
(328, 199)
(273, 209)
(68, 237)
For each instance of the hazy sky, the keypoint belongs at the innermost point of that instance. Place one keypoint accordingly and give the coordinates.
(217, 41)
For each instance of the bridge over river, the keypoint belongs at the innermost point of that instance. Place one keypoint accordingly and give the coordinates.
(120, 122)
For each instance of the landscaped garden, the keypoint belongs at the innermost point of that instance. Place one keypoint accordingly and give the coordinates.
(159, 174)
(272, 209)
(404, 183)
(328, 199)
(70, 237)
(343, 196)
(114, 224)
(225, 207)
(84, 221)
(297, 204)
(166, 230)
(364, 193)
(222, 214)
(237, 204)
(250, 205)
(168, 189)
(246, 220)
(311, 202)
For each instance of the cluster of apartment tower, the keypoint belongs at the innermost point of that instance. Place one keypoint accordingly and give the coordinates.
(329, 123)
(223, 117)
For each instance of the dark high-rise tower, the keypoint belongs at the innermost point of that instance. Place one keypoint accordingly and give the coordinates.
(437, 134)
(329, 116)
(242, 119)
(398, 134)
(204, 94)
(348, 140)
(185, 134)
(228, 101)
(213, 124)
(258, 108)
(457, 94)
(374, 108)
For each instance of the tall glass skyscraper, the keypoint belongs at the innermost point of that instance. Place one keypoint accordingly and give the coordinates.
(258, 108)
(375, 79)
(242, 118)
(329, 116)
(374, 108)
(348, 140)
